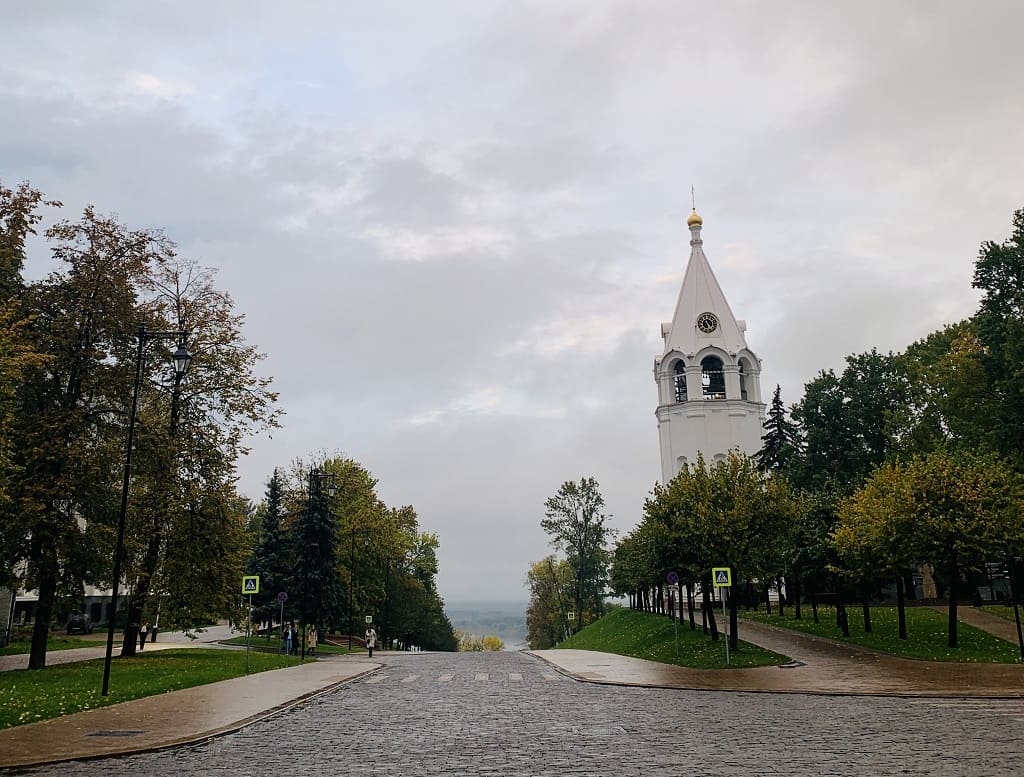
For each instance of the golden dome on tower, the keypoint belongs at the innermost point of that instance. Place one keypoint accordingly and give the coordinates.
(694, 219)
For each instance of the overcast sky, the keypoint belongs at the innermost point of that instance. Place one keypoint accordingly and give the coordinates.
(455, 227)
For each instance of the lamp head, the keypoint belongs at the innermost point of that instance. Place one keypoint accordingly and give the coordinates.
(182, 360)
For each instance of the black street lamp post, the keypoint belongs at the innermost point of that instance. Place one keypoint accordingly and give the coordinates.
(182, 360)
(322, 482)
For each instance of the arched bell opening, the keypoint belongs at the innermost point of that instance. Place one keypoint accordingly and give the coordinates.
(744, 378)
(679, 380)
(712, 377)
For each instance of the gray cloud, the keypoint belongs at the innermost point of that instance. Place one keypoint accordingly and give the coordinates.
(456, 229)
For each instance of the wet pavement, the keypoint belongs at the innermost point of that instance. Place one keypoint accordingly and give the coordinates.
(819, 666)
(510, 714)
(173, 718)
(491, 713)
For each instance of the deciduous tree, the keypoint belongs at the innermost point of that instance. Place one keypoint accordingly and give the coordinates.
(576, 524)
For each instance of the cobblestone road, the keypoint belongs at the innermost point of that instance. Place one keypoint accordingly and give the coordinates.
(509, 714)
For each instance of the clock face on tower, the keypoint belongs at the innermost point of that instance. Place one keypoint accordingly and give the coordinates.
(707, 323)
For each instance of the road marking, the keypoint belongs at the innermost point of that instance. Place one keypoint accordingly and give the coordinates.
(482, 677)
(550, 676)
(445, 678)
(375, 679)
(515, 677)
(410, 678)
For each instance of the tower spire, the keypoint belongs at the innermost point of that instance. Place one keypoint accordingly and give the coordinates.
(694, 220)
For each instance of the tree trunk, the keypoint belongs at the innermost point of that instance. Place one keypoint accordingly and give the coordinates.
(733, 617)
(708, 608)
(814, 606)
(768, 598)
(798, 593)
(47, 582)
(901, 607)
(954, 573)
(908, 586)
(782, 599)
(690, 607)
(140, 593)
(842, 618)
(866, 607)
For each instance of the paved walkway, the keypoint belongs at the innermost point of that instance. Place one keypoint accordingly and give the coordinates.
(174, 718)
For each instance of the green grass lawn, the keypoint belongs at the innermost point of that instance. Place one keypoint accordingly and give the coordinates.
(26, 697)
(59, 643)
(643, 635)
(926, 630)
(274, 644)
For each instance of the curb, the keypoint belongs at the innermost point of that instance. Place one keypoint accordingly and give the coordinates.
(204, 736)
(792, 692)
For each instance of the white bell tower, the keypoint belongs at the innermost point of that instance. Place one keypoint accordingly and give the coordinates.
(709, 381)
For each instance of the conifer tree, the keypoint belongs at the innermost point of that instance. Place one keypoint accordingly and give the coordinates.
(270, 559)
(780, 438)
(314, 576)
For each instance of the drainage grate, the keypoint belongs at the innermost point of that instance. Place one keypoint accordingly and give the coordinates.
(121, 733)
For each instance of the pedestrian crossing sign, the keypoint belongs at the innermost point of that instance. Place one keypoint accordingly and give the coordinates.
(722, 577)
(251, 584)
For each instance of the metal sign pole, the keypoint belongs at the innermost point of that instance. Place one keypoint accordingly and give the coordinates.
(675, 620)
(248, 630)
(725, 627)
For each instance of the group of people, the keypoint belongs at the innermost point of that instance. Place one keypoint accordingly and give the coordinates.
(290, 639)
(290, 636)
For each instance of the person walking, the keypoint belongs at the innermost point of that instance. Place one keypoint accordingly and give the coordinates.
(371, 640)
(293, 638)
(286, 639)
(142, 635)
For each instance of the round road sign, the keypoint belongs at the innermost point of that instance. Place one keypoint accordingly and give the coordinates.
(672, 577)
(282, 597)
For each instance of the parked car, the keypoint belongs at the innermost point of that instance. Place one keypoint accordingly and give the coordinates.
(79, 624)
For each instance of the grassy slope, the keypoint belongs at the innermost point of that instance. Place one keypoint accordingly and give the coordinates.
(926, 629)
(27, 696)
(642, 635)
(261, 643)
